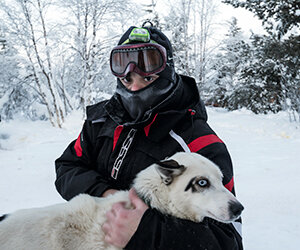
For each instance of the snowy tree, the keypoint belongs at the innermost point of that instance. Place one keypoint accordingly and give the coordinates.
(287, 55)
(268, 78)
(250, 75)
(278, 16)
(3, 59)
(276, 64)
(204, 13)
(225, 65)
(190, 25)
(27, 23)
(177, 22)
(63, 61)
(10, 100)
(91, 34)
(259, 86)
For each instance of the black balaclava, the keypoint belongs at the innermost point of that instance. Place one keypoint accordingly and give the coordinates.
(138, 102)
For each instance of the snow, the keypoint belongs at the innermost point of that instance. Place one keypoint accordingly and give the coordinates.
(266, 156)
(264, 149)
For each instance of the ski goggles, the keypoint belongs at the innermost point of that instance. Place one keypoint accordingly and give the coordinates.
(143, 58)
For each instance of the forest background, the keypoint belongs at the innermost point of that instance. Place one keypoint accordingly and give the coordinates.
(54, 54)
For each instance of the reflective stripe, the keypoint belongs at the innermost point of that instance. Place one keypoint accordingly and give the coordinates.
(99, 120)
(238, 227)
(123, 151)
(180, 141)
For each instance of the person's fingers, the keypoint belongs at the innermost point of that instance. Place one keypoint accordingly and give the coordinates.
(119, 211)
(117, 207)
(135, 200)
(108, 239)
(106, 228)
(110, 215)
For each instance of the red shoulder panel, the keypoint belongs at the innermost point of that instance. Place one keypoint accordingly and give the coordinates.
(203, 141)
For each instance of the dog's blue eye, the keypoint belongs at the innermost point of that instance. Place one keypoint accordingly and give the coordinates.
(203, 183)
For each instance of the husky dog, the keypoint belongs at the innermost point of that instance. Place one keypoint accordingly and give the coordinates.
(186, 185)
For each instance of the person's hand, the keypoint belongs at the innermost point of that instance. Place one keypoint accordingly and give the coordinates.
(122, 223)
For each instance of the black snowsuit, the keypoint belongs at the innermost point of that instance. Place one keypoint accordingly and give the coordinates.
(109, 152)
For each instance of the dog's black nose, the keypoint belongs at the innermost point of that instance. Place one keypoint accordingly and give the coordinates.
(3, 217)
(235, 209)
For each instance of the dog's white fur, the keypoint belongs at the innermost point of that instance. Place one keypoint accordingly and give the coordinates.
(77, 224)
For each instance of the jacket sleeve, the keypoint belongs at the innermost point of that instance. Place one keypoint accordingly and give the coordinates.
(75, 172)
(157, 231)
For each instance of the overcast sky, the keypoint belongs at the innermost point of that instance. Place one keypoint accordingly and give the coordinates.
(246, 20)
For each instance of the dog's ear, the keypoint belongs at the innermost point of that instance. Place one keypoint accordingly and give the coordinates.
(168, 169)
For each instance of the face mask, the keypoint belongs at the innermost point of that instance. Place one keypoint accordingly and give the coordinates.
(137, 103)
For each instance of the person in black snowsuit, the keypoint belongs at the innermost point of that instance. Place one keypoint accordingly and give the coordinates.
(136, 127)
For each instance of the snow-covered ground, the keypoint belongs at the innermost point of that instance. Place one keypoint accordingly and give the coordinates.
(265, 150)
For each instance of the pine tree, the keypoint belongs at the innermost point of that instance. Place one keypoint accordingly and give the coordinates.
(278, 16)
(272, 75)
(225, 66)
(177, 22)
(260, 82)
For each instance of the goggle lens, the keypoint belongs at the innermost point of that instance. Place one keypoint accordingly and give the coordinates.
(147, 59)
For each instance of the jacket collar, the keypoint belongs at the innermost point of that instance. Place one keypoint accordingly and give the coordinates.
(183, 101)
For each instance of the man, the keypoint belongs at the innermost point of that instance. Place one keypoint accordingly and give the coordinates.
(153, 114)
